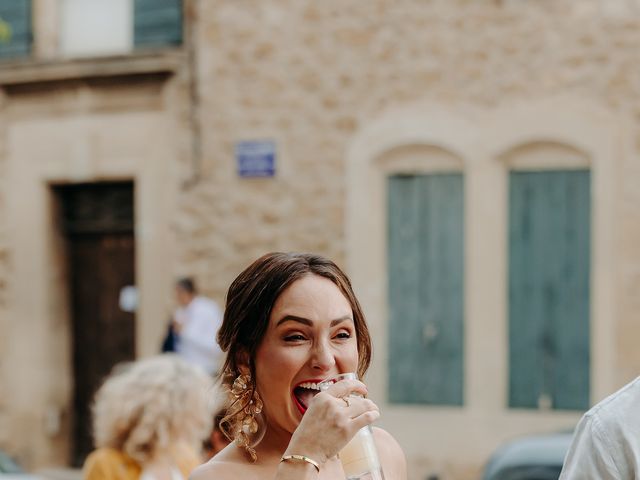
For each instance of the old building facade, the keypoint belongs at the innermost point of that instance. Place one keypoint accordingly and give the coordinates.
(125, 153)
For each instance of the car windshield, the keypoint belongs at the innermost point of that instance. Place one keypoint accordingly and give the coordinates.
(530, 473)
(7, 465)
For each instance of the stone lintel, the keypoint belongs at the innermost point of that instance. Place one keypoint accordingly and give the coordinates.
(23, 72)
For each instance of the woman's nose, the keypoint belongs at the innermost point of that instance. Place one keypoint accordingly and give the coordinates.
(322, 357)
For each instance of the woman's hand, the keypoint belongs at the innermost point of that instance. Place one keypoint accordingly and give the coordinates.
(333, 418)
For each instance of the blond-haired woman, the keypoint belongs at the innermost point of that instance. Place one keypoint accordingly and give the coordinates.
(150, 418)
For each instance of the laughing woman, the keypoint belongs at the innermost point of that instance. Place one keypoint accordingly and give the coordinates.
(290, 322)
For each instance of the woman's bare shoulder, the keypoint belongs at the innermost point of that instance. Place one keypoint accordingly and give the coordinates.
(391, 455)
(224, 466)
(217, 470)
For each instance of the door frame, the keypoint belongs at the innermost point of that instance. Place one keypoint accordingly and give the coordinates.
(72, 150)
(83, 233)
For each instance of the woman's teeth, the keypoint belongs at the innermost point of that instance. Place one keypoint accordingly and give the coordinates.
(309, 385)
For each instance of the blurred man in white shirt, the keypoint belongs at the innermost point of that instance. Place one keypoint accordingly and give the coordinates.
(606, 444)
(196, 323)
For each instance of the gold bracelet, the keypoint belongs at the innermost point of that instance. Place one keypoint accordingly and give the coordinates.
(302, 458)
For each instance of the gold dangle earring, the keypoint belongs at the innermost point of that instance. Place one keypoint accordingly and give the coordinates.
(245, 415)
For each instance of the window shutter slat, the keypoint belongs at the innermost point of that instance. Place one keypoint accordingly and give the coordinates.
(426, 289)
(549, 255)
(157, 23)
(17, 14)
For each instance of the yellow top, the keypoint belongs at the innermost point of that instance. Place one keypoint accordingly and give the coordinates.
(111, 464)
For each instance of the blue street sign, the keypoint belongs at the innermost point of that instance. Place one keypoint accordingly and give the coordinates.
(256, 158)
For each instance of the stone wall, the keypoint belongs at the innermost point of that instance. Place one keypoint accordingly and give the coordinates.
(312, 74)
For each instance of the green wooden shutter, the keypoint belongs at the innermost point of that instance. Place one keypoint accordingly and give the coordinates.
(157, 23)
(549, 257)
(425, 258)
(17, 15)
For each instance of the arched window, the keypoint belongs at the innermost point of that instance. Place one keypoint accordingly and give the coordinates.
(549, 242)
(425, 258)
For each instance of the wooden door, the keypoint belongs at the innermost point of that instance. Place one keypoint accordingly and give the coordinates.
(98, 224)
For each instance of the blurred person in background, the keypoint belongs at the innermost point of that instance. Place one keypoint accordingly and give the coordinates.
(217, 439)
(150, 419)
(195, 325)
(291, 321)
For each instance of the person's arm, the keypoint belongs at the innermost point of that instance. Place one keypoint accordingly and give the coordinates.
(392, 459)
(298, 470)
(327, 426)
(591, 452)
(227, 471)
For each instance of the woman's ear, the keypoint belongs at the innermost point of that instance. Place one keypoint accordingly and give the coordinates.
(242, 360)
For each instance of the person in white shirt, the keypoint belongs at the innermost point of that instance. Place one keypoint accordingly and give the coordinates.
(196, 323)
(606, 443)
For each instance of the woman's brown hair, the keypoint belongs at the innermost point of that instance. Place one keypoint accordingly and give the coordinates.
(253, 293)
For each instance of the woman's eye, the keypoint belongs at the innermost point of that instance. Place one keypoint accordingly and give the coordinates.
(343, 335)
(294, 338)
